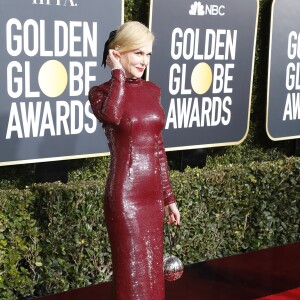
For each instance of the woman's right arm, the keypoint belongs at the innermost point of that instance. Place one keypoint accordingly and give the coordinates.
(107, 101)
(113, 104)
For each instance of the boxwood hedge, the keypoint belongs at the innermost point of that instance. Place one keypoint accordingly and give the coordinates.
(19, 245)
(53, 237)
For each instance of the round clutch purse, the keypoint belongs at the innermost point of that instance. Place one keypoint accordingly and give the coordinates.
(173, 267)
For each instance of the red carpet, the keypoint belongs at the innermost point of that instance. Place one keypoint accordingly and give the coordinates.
(255, 275)
(287, 295)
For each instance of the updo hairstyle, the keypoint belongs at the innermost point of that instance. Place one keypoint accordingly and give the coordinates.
(130, 36)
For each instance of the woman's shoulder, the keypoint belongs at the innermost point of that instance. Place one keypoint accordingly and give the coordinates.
(101, 87)
(152, 85)
(97, 94)
(100, 90)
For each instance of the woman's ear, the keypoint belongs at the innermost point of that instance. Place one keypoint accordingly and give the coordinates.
(117, 47)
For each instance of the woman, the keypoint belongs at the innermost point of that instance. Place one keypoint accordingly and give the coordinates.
(138, 186)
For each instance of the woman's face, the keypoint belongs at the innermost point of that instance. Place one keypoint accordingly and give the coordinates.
(135, 62)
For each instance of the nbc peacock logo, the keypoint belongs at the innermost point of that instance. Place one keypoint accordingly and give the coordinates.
(199, 9)
(70, 3)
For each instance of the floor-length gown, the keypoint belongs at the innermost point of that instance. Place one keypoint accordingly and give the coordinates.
(138, 185)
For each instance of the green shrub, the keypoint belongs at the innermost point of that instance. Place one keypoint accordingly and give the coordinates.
(90, 169)
(19, 245)
(225, 210)
(53, 237)
(18, 176)
(75, 248)
(241, 154)
(236, 208)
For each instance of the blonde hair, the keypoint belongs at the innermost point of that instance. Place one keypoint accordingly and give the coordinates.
(130, 36)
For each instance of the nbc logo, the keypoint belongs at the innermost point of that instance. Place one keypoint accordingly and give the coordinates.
(198, 9)
(55, 2)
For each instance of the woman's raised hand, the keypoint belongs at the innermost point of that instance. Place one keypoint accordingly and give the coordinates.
(113, 59)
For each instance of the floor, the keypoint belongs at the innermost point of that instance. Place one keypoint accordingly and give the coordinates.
(241, 277)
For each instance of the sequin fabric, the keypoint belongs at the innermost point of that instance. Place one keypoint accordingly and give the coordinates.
(138, 185)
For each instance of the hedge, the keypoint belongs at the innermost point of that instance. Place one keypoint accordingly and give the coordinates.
(237, 208)
(53, 236)
(75, 247)
(19, 245)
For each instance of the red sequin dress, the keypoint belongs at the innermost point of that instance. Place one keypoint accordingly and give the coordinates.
(138, 185)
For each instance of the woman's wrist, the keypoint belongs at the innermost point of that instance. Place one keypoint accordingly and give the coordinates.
(117, 68)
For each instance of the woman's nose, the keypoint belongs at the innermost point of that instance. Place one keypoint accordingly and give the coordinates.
(145, 60)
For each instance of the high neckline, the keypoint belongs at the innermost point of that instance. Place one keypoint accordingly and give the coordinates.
(134, 80)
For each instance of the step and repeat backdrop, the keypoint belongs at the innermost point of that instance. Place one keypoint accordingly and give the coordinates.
(51, 52)
(283, 110)
(203, 59)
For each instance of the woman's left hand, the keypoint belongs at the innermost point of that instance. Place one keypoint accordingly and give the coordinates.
(172, 214)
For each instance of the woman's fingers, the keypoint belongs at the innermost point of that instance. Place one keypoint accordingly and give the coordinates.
(171, 218)
(176, 219)
(113, 59)
(173, 215)
(173, 208)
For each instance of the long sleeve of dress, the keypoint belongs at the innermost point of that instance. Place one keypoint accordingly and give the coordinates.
(166, 185)
(108, 103)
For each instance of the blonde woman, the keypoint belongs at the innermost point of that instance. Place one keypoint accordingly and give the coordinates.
(138, 189)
